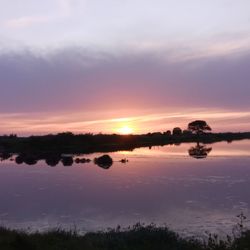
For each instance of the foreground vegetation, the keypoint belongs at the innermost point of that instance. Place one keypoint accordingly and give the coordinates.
(136, 238)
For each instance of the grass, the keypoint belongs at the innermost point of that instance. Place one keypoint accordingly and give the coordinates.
(138, 237)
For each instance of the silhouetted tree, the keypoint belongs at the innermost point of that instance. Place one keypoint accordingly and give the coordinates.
(198, 127)
(156, 134)
(168, 133)
(186, 132)
(177, 131)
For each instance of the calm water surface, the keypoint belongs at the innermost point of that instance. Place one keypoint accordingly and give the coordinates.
(160, 185)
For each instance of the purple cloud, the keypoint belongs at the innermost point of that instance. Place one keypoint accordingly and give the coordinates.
(78, 79)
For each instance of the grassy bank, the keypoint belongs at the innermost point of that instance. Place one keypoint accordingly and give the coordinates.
(136, 238)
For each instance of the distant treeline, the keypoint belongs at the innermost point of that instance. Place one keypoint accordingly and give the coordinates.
(91, 143)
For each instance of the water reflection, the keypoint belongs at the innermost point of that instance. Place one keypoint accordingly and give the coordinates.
(67, 161)
(104, 161)
(53, 160)
(200, 151)
(5, 156)
(161, 185)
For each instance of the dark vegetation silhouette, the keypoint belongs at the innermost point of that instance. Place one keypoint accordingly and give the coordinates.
(53, 160)
(199, 151)
(28, 159)
(82, 160)
(67, 160)
(199, 127)
(55, 148)
(124, 160)
(5, 156)
(177, 131)
(104, 161)
(137, 237)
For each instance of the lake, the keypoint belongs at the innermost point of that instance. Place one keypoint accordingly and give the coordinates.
(191, 189)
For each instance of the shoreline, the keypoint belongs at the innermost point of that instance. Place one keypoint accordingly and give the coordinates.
(100, 143)
(62, 147)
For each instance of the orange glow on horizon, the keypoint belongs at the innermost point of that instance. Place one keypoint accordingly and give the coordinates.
(45, 123)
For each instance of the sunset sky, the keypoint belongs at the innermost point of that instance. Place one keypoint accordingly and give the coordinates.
(117, 66)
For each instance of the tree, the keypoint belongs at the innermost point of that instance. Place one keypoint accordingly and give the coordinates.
(198, 127)
(186, 132)
(168, 133)
(177, 131)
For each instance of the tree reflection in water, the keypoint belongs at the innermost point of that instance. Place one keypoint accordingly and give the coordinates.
(200, 151)
(104, 161)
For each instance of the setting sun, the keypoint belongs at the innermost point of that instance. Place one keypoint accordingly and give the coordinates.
(125, 130)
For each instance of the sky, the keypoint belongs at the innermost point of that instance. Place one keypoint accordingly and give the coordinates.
(123, 65)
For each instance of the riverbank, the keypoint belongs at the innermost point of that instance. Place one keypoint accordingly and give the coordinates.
(137, 237)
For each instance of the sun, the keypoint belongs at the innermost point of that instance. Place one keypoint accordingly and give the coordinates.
(125, 130)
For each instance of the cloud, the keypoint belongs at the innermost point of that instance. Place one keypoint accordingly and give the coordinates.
(26, 21)
(80, 90)
(76, 79)
(45, 123)
(63, 10)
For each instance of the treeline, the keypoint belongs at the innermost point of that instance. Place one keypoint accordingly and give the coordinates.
(91, 143)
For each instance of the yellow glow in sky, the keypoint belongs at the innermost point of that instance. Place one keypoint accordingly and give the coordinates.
(125, 130)
(45, 123)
